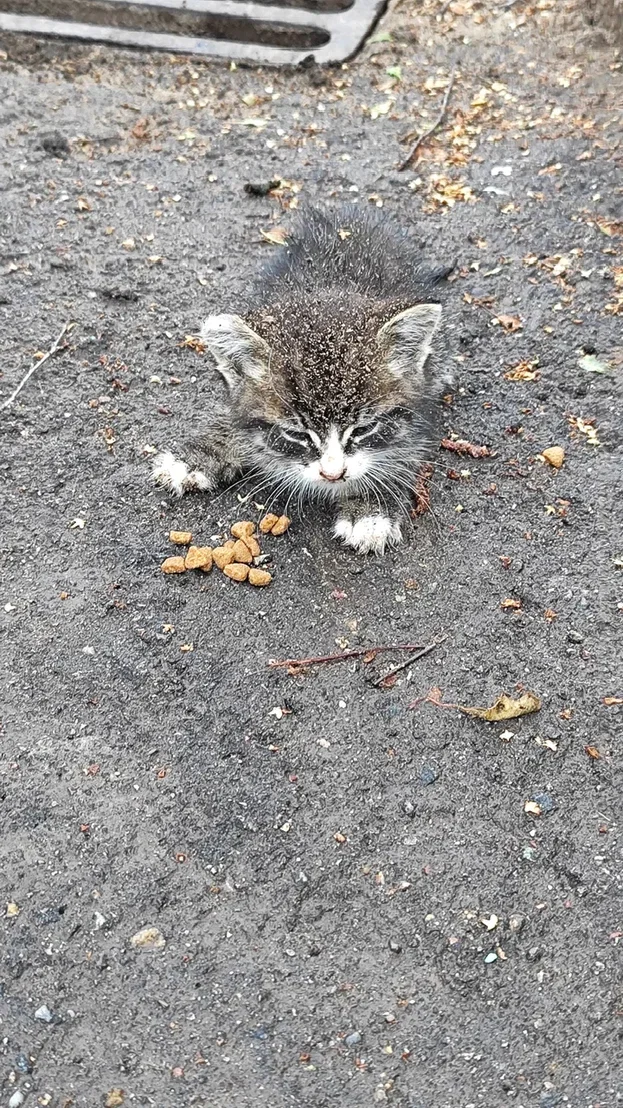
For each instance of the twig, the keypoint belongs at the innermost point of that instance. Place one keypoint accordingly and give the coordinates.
(431, 130)
(405, 665)
(35, 365)
(345, 656)
(443, 9)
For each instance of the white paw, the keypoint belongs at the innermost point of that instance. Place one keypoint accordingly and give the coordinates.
(172, 473)
(371, 534)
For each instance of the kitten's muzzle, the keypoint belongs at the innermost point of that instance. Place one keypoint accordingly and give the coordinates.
(333, 476)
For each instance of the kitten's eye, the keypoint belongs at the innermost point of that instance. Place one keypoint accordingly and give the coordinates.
(364, 429)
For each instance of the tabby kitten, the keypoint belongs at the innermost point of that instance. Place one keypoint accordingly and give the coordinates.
(333, 374)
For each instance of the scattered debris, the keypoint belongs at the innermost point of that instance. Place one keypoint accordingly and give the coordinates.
(368, 653)
(421, 490)
(585, 427)
(509, 323)
(462, 446)
(523, 371)
(277, 236)
(148, 938)
(389, 679)
(431, 130)
(56, 345)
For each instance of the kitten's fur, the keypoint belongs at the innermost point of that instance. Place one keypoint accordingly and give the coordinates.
(333, 373)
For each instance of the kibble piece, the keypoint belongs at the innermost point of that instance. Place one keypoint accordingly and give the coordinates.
(181, 538)
(259, 577)
(229, 545)
(268, 522)
(236, 571)
(281, 526)
(253, 545)
(173, 565)
(242, 552)
(222, 556)
(242, 529)
(198, 557)
(555, 455)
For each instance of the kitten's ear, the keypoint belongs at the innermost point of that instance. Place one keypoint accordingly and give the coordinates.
(406, 339)
(239, 352)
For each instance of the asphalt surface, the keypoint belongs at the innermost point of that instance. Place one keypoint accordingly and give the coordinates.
(356, 906)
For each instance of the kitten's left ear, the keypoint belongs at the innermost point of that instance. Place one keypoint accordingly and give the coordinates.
(239, 352)
(406, 339)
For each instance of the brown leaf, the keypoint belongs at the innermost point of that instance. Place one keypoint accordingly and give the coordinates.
(592, 752)
(510, 323)
(277, 236)
(421, 490)
(523, 371)
(506, 707)
(462, 446)
(511, 603)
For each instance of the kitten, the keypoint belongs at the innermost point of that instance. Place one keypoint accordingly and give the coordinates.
(333, 373)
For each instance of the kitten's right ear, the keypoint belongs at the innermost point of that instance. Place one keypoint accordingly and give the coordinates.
(239, 352)
(406, 339)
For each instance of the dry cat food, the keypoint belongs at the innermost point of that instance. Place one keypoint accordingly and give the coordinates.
(236, 557)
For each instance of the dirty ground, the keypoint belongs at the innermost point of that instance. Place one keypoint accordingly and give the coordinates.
(356, 905)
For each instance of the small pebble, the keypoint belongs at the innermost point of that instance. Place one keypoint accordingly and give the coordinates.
(516, 923)
(44, 1013)
(491, 957)
(353, 1038)
(148, 938)
(23, 1063)
(428, 775)
(394, 947)
(408, 808)
(16, 1099)
(545, 802)
(575, 636)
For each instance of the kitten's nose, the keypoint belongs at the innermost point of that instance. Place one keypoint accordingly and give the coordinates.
(334, 475)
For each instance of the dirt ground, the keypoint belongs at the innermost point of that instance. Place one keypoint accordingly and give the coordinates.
(356, 906)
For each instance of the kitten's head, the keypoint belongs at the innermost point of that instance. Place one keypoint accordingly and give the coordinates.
(335, 394)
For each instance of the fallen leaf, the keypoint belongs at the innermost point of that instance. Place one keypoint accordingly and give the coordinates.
(585, 427)
(462, 446)
(550, 615)
(381, 109)
(510, 323)
(523, 371)
(505, 707)
(83, 205)
(512, 604)
(277, 236)
(592, 364)
(592, 752)
(193, 342)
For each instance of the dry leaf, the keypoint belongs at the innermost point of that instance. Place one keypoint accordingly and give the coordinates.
(381, 109)
(592, 752)
(512, 604)
(610, 700)
(462, 446)
(523, 371)
(585, 427)
(193, 342)
(510, 323)
(506, 707)
(277, 236)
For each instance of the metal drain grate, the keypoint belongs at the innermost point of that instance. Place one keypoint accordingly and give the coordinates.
(245, 30)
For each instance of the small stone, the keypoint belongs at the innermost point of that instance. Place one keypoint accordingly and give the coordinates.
(394, 947)
(16, 1099)
(43, 1013)
(491, 957)
(12, 909)
(353, 1039)
(23, 1063)
(408, 808)
(114, 1098)
(148, 938)
(575, 636)
(545, 802)
(516, 923)
(428, 775)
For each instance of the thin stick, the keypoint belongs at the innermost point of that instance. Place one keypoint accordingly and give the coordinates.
(343, 657)
(443, 9)
(35, 365)
(405, 665)
(431, 130)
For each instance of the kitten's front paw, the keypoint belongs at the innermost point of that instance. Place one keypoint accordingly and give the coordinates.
(173, 474)
(368, 535)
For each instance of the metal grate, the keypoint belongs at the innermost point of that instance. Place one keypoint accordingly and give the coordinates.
(244, 30)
